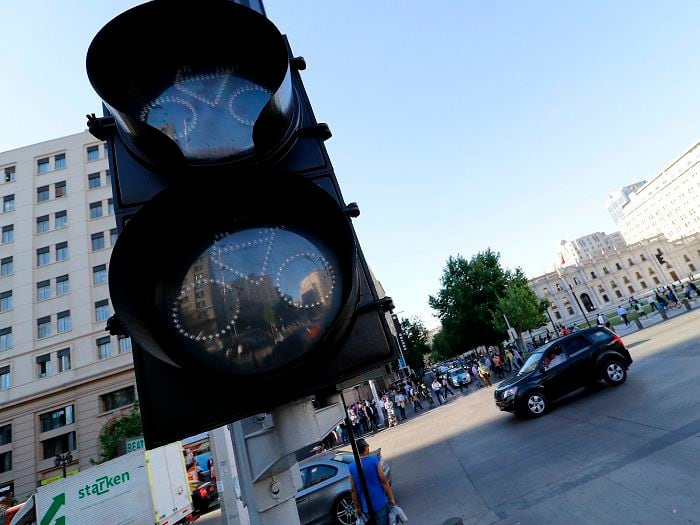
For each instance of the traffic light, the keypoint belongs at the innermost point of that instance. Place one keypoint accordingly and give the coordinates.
(237, 271)
(659, 256)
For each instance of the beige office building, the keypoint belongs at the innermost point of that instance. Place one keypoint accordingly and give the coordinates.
(62, 376)
(668, 204)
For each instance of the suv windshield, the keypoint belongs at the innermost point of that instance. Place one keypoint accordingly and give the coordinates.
(531, 363)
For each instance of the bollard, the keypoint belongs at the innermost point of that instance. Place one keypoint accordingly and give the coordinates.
(663, 314)
(686, 303)
(638, 323)
(453, 521)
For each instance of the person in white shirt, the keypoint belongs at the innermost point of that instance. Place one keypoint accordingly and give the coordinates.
(623, 313)
(554, 358)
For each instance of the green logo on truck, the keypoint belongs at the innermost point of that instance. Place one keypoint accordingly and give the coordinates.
(102, 485)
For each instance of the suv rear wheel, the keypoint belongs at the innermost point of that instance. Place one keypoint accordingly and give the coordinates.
(535, 404)
(614, 372)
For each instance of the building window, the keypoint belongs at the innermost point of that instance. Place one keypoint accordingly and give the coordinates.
(557, 315)
(94, 180)
(638, 275)
(42, 224)
(545, 290)
(625, 279)
(8, 233)
(5, 266)
(96, 210)
(557, 285)
(104, 347)
(8, 203)
(93, 153)
(112, 236)
(570, 310)
(117, 399)
(61, 251)
(64, 323)
(593, 275)
(42, 193)
(43, 290)
(102, 310)
(691, 267)
(99, 274)
(5, 435)
(613, 284)
(618, 293)
(42, 165)
(10, 174)
(656, 280)
(124, 344)
(62, 285)
(59, 161)
(43, 327)
(576, 281)
(60, 189)
(6, 338)
(605, 270)
(5, 379)
(43, 364)
(61, 219)
(643, 284)
(6, 301)
(43, 257)
(606, 298)
(617, 265)
(58, 445)
(631, 289)
(57, 418)
(630, 262)
(110, 206)
(98, 241)
(6, 461)
(108, 178)
(63, 357)
(651, 271)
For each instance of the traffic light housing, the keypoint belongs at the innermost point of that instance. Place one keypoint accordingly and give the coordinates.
(237, 271)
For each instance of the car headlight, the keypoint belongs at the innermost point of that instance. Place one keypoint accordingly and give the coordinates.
(510, 391)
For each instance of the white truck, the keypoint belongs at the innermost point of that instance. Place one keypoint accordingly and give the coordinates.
(139, 488)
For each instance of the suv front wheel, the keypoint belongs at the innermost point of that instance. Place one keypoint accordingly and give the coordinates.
(614, 372)
(535, 404)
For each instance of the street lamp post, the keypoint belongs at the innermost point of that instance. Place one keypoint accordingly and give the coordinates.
(61, 460)
(571, 289)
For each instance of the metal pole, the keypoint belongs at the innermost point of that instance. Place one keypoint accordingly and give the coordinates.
(358, 463)
(244, 477)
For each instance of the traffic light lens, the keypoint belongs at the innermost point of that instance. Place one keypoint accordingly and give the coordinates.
(209, 113)
(258, 299)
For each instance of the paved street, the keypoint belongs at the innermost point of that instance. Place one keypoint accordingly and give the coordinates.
(618, 456)
(625, 455)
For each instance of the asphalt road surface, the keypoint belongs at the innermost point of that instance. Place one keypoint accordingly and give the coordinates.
(608, 456)
(621, 455)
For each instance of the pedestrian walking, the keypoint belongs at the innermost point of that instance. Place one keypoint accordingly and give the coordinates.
(446, 388)
(437, 388)
(485, 374)
(601, 319)
(400, 402)
(416, 401)
(378, 486)
(623, 313)
(498, 364)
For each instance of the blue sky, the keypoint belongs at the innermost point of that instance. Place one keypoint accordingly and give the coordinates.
(457, 126)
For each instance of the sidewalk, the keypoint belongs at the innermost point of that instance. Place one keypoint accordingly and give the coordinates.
(655, 318)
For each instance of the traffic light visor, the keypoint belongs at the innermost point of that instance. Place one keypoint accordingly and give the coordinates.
(205, 85)
(236, 286)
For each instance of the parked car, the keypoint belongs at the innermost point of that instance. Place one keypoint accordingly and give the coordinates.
(562, 366)
(325, 495)
(457, 376)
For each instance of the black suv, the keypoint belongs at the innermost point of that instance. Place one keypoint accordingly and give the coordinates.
(562, 366)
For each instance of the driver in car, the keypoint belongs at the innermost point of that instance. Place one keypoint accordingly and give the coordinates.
(554, 358)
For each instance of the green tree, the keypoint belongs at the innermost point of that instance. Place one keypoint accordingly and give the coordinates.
(525, 311)
(467, 300)
(124, 427)
(417, 342)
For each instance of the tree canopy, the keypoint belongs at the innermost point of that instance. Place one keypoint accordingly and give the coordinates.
(417, 341)
(124, 427)
(474, 295)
